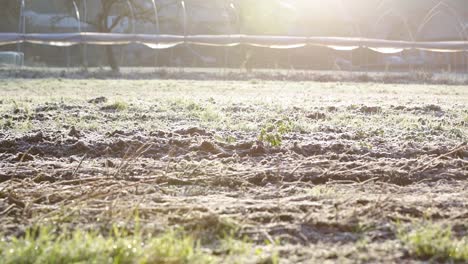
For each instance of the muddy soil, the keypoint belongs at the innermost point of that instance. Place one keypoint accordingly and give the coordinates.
(324, 195)
(314, 192)
(312, 158)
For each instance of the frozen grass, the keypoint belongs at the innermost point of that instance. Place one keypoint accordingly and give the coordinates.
(240, 106)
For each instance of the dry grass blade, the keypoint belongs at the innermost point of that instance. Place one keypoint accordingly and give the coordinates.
(23, 156)
(427, 165)
(78, 166)
(128, 159)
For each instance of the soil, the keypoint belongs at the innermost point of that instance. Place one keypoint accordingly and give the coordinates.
(320, 193)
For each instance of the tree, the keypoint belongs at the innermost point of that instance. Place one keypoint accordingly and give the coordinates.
(119, 10)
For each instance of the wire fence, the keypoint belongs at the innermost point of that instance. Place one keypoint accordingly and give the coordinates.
(274, 42)
(343, 53)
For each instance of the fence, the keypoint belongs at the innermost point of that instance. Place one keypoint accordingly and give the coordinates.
(454, 52)
(274, 42)
(456, 49)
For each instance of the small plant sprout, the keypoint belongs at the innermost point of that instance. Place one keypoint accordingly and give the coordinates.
(272, 133)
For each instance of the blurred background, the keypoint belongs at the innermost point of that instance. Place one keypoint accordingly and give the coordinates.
(414, 20)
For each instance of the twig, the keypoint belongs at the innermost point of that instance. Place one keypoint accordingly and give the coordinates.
(20, 161)
(369, 180)
(7, 209)
(79, 165)
(425, 166)
(138, 153)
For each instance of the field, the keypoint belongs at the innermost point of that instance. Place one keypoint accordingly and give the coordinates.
(181, 171)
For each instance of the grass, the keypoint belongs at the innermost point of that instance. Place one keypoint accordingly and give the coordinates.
(434, 242)
(232, 106)
(45, 245)
(116, 106)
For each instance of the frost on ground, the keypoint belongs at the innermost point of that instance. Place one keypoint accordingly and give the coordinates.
(299, 171)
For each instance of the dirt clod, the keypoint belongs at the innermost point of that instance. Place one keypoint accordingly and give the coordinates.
(193, 131)
(210, 147)
(74, 132)
(332, 108)
(35, 138)
(370, 109)
(258, 149)
(79, 147)
(432, 107)
(316, 116)
(23, 157)
(98, 100)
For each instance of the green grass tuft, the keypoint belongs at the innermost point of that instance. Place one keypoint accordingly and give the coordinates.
(44, 246)
(116, 106)
(434, 242)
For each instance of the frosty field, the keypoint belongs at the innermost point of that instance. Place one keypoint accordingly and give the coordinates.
(181, 171)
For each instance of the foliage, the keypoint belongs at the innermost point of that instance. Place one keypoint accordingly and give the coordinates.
(47, 245)
(42, 245)
(272, 133)
(430, 241)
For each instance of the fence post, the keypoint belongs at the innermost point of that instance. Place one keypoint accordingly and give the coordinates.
(78, 18)
(184, 21)
(85, 46)
(21, 29)
(158, 32)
